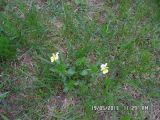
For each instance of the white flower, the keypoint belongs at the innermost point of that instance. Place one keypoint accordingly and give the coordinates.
(54, 57)
(104, 68)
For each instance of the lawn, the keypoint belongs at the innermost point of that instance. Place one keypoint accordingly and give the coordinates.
(79, 59)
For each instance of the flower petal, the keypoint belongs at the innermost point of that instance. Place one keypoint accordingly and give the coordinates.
(52, 59)
(105, 71)
(102, 65)
(57, 57)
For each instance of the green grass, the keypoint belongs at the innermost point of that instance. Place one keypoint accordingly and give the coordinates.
(124, 34)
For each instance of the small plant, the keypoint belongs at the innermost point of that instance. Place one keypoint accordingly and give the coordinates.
(74, 76)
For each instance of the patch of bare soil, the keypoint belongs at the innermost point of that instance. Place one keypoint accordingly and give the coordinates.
(58, 104)
(155, 111)
(94, 2)
(40, 3)
(96, 10)
(26, 59)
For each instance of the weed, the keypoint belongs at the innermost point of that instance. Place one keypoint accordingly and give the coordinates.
(86, 35)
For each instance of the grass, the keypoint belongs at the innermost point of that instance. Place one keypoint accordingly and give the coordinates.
(124, 34)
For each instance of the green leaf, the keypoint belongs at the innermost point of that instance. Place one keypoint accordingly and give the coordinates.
(71, 71)
(79, 83)
(80, 61)
(69, 85)
(84, 73)
(60, 68)
(93, 69)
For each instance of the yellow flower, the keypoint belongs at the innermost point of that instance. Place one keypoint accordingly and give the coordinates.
(104, 68)
(54, 57)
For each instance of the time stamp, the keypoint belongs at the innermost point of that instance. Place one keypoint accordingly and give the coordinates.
(117, 108)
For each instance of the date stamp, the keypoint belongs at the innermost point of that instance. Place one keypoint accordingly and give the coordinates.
(105, 108)
(117, 108)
